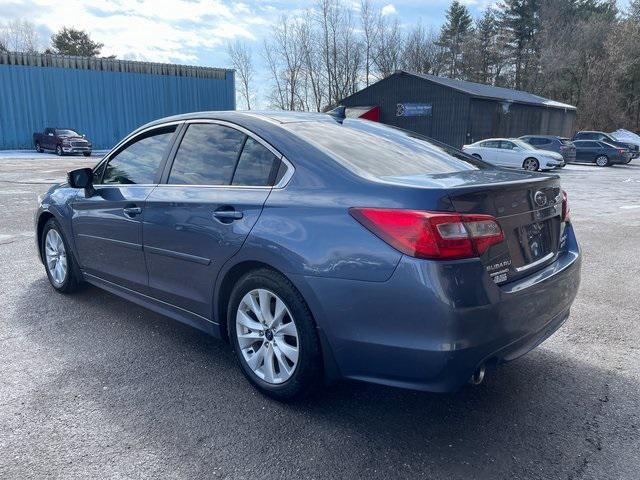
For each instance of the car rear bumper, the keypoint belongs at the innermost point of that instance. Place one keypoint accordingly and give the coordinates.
(432, 324)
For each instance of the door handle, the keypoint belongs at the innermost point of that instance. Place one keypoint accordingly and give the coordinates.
(132, 211)
(227, 215)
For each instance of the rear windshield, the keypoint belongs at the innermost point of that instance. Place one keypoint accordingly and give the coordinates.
(372, 149)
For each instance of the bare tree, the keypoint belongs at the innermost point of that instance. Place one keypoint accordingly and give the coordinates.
(285, 59)
(19, 36)
(370, 24)
(421, 51)
(242, 62)
(389, 48)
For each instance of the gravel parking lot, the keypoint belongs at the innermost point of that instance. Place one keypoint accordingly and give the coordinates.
(92, 386)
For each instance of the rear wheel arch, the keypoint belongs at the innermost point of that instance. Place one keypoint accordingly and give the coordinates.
(228, 282)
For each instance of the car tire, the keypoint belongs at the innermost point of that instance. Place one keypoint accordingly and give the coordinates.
(531, 164)
(286, 371)
(59, 151)
(602, 161)
(58, 259)
(86, 154)
(38, 147)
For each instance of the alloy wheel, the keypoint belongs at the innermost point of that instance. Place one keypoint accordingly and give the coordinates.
(530, 164)
(602, 161)
(56, 257)
(267, 336)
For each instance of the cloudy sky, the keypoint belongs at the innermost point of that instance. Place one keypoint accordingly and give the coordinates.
(187, 31)
(192, 31)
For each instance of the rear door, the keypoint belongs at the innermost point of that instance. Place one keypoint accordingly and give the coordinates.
(586, 150)
(107, 223)
(510, 155)
(491, 152)
(212, 195)
(48, 139)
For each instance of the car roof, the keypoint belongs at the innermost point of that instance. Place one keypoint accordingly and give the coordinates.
(541, 136)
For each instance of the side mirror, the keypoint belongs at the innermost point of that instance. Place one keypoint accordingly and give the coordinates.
(81, 178)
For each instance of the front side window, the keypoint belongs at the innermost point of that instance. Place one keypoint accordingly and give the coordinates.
(207, 155)
(507, 145)
(257, 165)
(139, 161)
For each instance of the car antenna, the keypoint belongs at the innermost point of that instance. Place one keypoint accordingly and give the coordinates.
(338, 113)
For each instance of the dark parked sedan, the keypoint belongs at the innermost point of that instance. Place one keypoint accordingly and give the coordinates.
(634, 150)
(321, 248)
(563, 146)
(600, 153)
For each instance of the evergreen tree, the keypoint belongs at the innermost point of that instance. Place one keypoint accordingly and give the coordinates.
(69, 41)
(520, 25)
(454, 33)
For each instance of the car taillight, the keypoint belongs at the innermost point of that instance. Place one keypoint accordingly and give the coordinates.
(566, 213)
(433, 235)
(622, 150)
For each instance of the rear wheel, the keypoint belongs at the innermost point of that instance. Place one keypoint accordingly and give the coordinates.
(59, 151)
(602, 161)
(58, 260)
(531, 164)
(274, 336)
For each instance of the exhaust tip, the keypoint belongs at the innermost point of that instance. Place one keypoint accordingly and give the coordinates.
(478, 376)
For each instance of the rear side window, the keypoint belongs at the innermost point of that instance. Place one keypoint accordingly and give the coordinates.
(207, 155)
(257, 165)
(138, 162)
(539, 141)
(374, 150)
(491, 144)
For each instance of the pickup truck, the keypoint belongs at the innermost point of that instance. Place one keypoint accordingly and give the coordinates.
(62, 141)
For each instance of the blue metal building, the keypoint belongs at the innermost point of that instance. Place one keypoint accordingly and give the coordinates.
(103, 98)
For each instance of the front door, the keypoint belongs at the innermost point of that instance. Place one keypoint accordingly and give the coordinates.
(214, 193)
(107, 223)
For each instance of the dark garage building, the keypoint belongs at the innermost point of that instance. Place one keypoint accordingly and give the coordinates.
(457, 112)
(103, 98)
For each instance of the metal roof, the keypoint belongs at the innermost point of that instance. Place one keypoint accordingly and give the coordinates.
(480, 90)
(110, 65)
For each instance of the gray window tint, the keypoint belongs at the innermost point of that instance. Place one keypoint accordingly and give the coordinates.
(138, 163)
(255, 166)
(372, 149)
(507, 145)
(539, 141)
(207, 155)
(491, 144)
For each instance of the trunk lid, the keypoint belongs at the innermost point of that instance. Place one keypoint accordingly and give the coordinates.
(528, 207)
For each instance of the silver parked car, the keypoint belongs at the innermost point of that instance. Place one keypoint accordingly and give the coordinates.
(514, 153)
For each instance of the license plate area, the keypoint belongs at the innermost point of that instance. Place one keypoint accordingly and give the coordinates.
(535, 241)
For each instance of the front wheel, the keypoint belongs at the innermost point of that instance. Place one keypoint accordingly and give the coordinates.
(38, 147)
(86, 154)
(531, 164)
(602, 161)
(274, 336)
(59, 151)
(58, 260)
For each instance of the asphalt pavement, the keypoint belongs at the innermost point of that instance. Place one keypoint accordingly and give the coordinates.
(92, 386)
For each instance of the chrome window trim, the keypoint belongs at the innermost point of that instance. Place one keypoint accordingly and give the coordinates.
(132, 136)
(281, 184)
